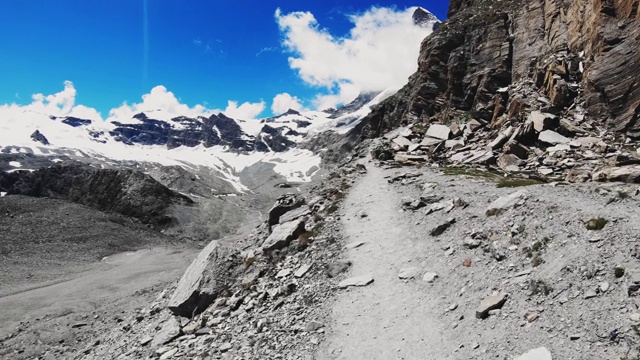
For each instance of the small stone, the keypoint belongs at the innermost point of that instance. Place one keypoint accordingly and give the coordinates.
(471, 243)
(536, 354)
(440, 229)
(225, 347)
(574, 337)
(283, 273)
(168, 354)
(355, 245)
(467, 262)
(590, 294)
(531, 317)
(430, 277)
(145, 340)
(363, 280)
(313, 326)
(618, 271)
(490, 303)
(504, 203)
(635, 317)
(170, 330)
(604, 286)
(302, 271)
(408, 273)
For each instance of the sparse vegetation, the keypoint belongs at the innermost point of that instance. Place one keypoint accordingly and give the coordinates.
(540, 287)
(596, 224)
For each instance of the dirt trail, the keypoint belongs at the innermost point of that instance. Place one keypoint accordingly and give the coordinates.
(563, 292)
(389, 319)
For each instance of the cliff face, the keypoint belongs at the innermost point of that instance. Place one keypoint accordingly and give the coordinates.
(498, 60)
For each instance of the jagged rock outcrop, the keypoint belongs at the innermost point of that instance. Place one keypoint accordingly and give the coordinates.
(492, 60)
(214, 130)
(37, 136)
(127, 192)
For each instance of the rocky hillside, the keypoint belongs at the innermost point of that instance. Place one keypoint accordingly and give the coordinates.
(126, 192)
(493, 63)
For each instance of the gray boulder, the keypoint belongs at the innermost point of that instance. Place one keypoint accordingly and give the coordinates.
(192, 296)
(282, 235)
(284, 204)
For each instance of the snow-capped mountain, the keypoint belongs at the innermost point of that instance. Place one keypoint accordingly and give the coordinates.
(229, 146)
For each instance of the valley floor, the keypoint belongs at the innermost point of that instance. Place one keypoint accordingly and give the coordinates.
(47, 318)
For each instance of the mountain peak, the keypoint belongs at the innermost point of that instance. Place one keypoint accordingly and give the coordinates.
(424, 18)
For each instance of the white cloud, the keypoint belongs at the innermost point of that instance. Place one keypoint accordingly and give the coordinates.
(246, 111)
(379, 52)
(162, 104)
(60, 104)
(283, 102)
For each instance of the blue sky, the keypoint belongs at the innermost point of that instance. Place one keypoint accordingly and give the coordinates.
(205, 52)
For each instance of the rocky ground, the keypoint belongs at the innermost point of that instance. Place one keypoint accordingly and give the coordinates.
(457, 273)
(386, 261)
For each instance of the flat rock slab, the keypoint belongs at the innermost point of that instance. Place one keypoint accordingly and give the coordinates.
(170, 330)
(504, 203)
(438, 131)
(490, 303)
(282, 235)
(403, 142)
(295, 214)
(189, 295)
(302, 270)
(363, 280)
(536, 354)
(553, 138)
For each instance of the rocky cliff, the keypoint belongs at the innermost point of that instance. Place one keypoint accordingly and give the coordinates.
(495, 61)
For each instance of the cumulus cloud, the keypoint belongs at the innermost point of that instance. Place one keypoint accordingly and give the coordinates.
(159, 103)
(162, 104)
(283, 102)
(60, 104)
(379, 52)
(245, 111)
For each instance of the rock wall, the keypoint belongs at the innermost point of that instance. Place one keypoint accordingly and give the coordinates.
(579, 57)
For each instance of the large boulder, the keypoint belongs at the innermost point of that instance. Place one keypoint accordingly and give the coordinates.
(283, 234)
(193, 293)
(284, 204)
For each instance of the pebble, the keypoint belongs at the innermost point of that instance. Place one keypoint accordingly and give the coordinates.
(430, 277)
(590, 294)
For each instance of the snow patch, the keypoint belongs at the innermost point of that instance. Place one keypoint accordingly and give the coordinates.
(15, 164)
(2, 194)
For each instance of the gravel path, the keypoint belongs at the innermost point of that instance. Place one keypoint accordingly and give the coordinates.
(391, 318)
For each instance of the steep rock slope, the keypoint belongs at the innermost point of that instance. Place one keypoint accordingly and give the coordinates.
(127, 192)
(581, 55)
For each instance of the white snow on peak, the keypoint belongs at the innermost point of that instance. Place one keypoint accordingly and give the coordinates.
(95, 140)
